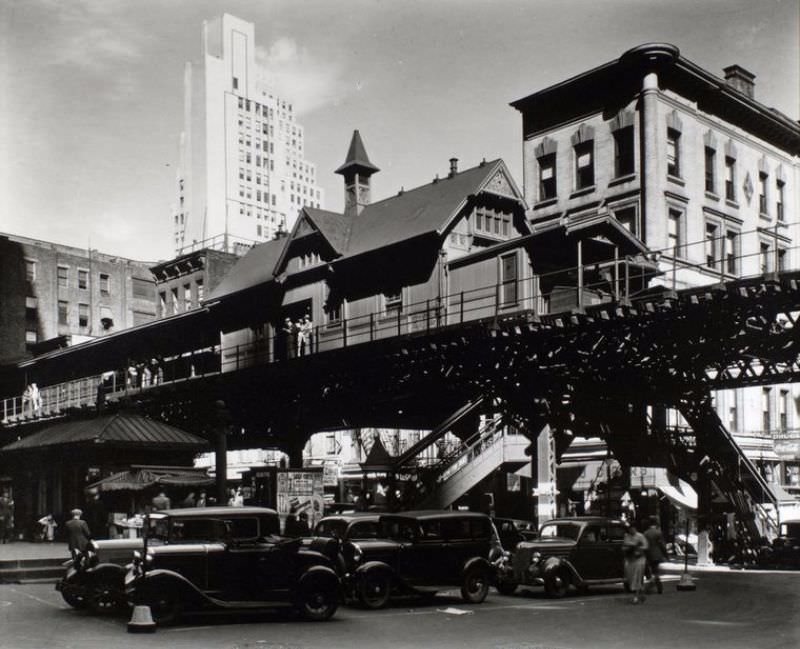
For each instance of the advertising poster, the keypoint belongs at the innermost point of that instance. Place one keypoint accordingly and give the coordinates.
(301, 491)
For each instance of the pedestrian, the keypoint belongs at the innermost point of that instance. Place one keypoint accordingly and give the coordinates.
(27, 401)
(656, 552)
(290, 526)
(303, 528)
(78, 534)
(6, 517)
(49, 526)
(307, 329)
(288, 332)
(634, 546)
(190, 500)
(36, 400)
(300, 337)
(132, 376)
(201, 500)
(161, 501)
(155, 371)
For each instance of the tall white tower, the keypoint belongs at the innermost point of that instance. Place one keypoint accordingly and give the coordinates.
(242, 172)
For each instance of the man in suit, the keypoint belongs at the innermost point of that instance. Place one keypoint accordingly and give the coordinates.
(78, 534)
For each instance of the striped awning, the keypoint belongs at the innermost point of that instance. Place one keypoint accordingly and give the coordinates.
(142, 477)
(121, 429)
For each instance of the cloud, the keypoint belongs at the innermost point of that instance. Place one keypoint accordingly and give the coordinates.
(96, 49)
(296, 74)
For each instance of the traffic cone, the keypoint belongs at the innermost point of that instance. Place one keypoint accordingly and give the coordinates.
(141, 620)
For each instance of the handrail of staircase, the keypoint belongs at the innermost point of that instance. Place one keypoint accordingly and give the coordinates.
(483, 442)
(441, 464)
(437, 433)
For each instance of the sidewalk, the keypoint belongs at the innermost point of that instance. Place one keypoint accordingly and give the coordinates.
(677, 566)
(27, 551)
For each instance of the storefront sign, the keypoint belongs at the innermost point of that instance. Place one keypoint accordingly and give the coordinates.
(300, 490)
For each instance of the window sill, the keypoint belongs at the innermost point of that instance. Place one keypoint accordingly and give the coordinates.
(764, 216)
(547, 202)
(619, 180)
(676, 180)
(731, 203)
(583, 191)
(712, 196)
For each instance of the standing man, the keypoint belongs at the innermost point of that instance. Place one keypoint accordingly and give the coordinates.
(656, 552)
(6, 517)
(78, 534)
(161, 501)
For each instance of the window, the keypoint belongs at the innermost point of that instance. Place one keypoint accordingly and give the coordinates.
(31, 337)
(733, 416)
(330, 444)
(31, 308)
(187, 297)
(62, 275)
(584, 165)
(762, 193)
(235, 83)
(83, 315)
(162, 303)
(393, 302)
(547, 177)
(779, 200)
(83, 279)
(30, 270)
(175, 302)
(783, 410)
(508, 280)
(675, 231)
(623, 151)
(104, 284)
(711, 178)
(766, 408)
(63, 308)
(730, 178)
(712, 245)
(199, 287)
(782, 259)
(673, 153)
(333, 311)
(732, 252)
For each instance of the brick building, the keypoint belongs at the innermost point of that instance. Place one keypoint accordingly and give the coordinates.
(56, 295)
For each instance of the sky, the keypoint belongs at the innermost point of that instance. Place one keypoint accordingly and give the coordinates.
(91, 96)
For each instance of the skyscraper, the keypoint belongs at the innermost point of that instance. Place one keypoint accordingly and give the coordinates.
(242, 174)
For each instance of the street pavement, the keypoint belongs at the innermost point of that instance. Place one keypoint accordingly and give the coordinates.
(730, 610)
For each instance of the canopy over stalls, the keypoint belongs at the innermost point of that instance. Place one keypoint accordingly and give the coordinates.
(141, 477)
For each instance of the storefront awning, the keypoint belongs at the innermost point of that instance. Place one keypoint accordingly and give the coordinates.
(141, 477)
(680, 493)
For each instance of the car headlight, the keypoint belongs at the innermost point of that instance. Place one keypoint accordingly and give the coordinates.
(536, 557)
(357, 554)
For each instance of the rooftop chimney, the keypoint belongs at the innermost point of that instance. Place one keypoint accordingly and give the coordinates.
(453, 167)
(740, 79)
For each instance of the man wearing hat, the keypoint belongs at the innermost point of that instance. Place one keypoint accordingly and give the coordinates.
(78, 534)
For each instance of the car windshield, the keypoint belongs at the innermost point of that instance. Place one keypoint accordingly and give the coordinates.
(560, 530)
(332, 529)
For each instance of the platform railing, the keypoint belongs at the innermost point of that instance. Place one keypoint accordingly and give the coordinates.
(615, 280)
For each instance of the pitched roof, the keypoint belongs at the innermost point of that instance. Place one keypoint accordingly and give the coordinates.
(256, 267)
(121, 429)
(378, 458)
(334, 227)
(357, 156)
(419, 211)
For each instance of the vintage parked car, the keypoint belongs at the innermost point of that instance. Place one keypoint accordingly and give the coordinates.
(513, 530)
(95, 578)
(580, 552)
(354, 526)
(231, 558)
(420, 553)
(784, 550)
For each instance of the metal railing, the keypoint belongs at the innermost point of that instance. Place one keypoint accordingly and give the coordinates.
(614, 282)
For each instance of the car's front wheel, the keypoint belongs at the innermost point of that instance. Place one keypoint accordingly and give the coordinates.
(475, 585)
(318, 602)
(556, 584)
(165, 609)
(74, 596)
(104, 596)
(375, 589)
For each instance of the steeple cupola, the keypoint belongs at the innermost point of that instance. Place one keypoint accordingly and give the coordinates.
(356, 170)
